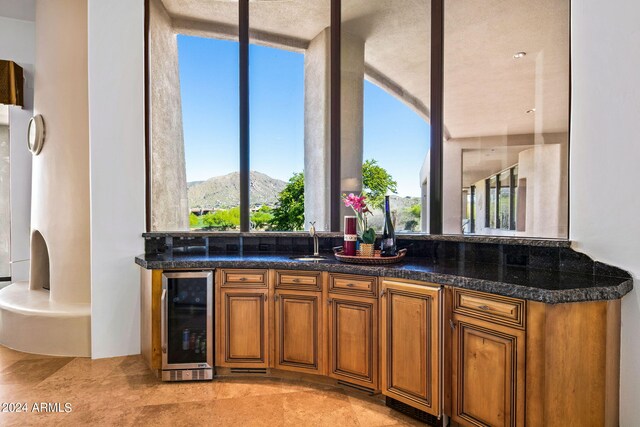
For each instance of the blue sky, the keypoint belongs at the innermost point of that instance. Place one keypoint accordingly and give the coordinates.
(393, 134)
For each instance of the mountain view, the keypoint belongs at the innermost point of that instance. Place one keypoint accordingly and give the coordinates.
(223, 192)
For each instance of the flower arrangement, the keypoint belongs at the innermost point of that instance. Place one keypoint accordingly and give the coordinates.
(359, 206)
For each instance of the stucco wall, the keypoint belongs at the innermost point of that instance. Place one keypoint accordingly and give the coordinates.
(168, 169)
(604, 160)
(116, 131)
(60, 198)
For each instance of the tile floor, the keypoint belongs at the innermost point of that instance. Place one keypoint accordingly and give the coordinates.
(122, 391)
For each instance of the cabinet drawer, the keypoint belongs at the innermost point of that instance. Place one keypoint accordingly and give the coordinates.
(495, 308)
(243, 278)
(354, 285)
(303, 280)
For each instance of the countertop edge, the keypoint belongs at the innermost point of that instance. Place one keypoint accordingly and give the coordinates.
(500, 288)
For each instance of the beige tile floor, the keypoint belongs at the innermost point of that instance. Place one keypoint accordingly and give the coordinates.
(121, 391)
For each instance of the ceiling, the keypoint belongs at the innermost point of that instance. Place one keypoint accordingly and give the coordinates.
(25, 10)
(487, 91)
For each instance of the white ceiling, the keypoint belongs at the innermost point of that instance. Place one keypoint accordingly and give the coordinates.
(487, 91)
(25, 10)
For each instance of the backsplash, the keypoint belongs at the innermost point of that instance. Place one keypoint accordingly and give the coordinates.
(526, 253)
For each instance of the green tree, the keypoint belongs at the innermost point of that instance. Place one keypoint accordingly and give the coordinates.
(194, 221)
(289, 213)
(262, 217)
(415, 210)
(376, 182)
(222, 219)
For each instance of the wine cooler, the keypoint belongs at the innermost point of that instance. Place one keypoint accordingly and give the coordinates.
(187, 326)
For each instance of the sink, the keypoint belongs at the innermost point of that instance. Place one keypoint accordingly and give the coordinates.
(309, 258)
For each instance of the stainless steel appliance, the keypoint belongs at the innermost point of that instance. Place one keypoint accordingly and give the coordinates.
(187, 326)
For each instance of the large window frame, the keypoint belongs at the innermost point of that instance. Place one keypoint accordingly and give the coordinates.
(435, 202)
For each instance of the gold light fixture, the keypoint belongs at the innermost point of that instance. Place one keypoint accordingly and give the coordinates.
(11, 83)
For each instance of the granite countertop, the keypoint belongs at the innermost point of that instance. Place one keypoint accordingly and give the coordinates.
(545, 285)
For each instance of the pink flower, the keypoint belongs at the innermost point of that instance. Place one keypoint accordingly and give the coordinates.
(357, 203)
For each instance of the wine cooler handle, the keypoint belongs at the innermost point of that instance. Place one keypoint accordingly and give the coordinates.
(163, 320)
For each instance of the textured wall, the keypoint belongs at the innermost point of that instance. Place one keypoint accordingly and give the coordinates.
(170, 206)
(60, 198)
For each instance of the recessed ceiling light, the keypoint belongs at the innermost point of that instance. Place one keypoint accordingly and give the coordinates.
(519, 55)
(533, 110)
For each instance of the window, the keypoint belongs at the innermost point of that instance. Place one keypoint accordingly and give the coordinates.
(256, 97)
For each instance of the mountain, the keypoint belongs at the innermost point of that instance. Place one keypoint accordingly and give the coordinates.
(224, 191)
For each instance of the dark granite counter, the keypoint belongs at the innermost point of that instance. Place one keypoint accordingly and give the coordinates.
(536, 284)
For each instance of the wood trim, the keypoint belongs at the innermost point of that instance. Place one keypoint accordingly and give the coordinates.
(314, 298)
(298, 280)
(243, 39)
(436, 122)
(147, 122)
(573, 363)
(370, 306)
(429, 399)
(244, 278)
(150, 332)
(351, 284)
(226, 359)
(335, 100)
(514, 341)
(494, 308)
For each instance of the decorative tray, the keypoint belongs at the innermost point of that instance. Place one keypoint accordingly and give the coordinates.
(376, 259)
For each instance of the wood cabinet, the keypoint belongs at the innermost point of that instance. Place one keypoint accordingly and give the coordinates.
(410, 338)
(353, 339)
(299, 331)
(243, 328)
(487, 360)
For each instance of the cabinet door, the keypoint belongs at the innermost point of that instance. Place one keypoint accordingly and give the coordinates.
(487, 373)
(298, 318)
(410, 344)
(243, 324)
(353, 340)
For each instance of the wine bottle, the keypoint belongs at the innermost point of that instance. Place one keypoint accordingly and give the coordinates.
(388, 244)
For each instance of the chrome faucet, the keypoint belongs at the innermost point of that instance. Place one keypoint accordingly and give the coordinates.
(312, 233)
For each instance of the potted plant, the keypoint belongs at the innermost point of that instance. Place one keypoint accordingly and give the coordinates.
(366, 234)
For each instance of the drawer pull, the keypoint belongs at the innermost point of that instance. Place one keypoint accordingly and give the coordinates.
(452, 325)
(485, 308)
(351, 285)
(383, 293)
(243, 279)
(329, 301)
(276, 297)
(296, 280)
(265, 296)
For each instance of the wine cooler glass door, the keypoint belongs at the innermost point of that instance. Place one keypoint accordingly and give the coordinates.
(187, 301)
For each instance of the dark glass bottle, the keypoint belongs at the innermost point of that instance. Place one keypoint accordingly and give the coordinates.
(388, 244)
